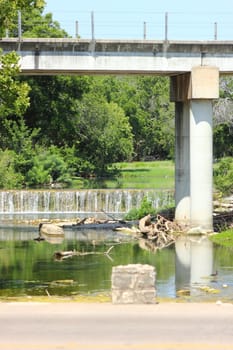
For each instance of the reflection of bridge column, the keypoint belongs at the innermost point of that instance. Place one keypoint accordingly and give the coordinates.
(193, 93)
(201, 259)
(194, 260)
(183, 262)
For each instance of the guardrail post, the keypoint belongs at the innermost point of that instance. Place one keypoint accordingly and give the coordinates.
(76, 29)
(166, 26)
(92, 26)
(144, 30)
(215, 31)
(19, 25)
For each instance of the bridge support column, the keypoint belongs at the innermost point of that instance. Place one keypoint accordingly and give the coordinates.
(193, 94)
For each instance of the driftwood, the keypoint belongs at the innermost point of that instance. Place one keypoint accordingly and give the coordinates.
(223, 221)
(161, 232)
(61, 255)
(95, 224)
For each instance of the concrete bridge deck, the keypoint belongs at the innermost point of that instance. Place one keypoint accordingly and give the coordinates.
(48, 56)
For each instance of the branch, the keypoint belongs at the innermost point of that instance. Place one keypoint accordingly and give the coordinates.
(61, 255)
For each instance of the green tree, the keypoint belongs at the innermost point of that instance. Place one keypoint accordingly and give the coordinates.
(223, 175)
(145, 100)
(14, 93)
(9, 177)
(48, 167)
(53, 107)
(223, 120)
(37, 25)
(103, 133)
(157, 126)
(13, 103)
(223, 140)
(9, 11)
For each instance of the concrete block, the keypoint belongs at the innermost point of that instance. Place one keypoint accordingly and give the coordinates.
(133, 284)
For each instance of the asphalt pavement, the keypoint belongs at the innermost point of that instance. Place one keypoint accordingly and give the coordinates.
(92, 326)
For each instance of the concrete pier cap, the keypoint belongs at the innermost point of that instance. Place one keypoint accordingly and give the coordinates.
(201, 83)
(193, 94)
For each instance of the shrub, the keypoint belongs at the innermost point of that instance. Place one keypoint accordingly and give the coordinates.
(9, 177)
(48, 167)
(144, 209)
(223, 176)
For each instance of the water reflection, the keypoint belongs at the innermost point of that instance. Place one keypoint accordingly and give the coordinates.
(29, 267)
(194, 260)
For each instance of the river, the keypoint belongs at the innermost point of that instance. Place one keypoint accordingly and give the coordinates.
(193, 269)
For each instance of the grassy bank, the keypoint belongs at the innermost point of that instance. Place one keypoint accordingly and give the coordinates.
(224, 238)
(143, 175)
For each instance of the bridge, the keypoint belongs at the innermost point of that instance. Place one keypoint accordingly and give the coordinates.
(194, 68)
(41, 56)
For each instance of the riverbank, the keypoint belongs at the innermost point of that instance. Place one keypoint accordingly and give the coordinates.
(105, 298)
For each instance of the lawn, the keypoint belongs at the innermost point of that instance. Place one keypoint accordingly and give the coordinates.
(224, 238)
(144, 175)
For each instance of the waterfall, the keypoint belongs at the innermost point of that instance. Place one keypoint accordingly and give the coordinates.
(80, 201)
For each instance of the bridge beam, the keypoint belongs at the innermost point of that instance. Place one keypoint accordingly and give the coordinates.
(193, 94)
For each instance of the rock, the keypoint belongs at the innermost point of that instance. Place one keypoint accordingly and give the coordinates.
(50, 229)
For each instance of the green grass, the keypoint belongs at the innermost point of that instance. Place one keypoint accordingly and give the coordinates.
(134, 175)
(224, 238)
(144, 175)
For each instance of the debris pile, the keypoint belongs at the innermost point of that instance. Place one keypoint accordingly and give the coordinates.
(162, 232)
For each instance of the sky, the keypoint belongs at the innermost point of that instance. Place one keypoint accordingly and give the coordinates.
(138, 19)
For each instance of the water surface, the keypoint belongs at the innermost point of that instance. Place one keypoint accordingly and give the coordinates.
(29, 267)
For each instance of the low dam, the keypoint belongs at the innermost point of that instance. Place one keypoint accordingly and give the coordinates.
(80, 201)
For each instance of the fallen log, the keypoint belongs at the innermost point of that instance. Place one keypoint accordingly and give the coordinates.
(161, 232)
(96, 224)
(61, 255)
(145, 224)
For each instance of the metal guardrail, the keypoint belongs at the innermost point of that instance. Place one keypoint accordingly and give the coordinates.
(144, 25)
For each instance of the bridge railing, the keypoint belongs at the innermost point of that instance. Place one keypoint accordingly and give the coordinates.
(149, 25)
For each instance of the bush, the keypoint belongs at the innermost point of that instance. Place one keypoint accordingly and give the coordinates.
(223, 176)
(144, 209)
(48, 167)
(9, 178)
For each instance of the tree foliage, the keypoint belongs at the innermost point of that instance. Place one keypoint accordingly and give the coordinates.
(223, 175)
(223, 120)
(56, 129)
(37, 25)
(14, 93)
(9, 8)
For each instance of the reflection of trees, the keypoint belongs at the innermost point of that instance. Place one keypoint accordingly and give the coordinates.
(33, 263)
(223, 256)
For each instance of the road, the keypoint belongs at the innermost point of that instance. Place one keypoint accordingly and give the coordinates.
(165, 326)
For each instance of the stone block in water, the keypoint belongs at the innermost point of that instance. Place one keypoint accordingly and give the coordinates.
(133, 284)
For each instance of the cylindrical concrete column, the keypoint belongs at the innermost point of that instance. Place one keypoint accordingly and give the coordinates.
(193, 93)
(201, 158)
(182, 163)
